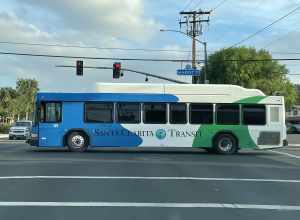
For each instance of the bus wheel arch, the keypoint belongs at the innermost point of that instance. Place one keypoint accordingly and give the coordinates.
(76, 140)
(226, 136)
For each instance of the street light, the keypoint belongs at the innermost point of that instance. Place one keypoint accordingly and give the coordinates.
(201, 42)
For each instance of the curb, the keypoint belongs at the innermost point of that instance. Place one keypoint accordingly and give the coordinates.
(294, 145)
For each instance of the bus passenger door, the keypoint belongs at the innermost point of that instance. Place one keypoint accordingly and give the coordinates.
(50, 131)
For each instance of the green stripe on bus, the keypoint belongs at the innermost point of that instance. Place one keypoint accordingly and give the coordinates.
(208, 132)
(241, 132)
(251, 100)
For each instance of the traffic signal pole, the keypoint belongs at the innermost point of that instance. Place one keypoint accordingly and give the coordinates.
(128, 70)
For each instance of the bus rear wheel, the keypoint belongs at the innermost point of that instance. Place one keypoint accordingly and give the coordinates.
(225, 144)
(77, 142)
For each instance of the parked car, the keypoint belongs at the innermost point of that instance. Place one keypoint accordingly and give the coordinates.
(293, 127)
(20, 130)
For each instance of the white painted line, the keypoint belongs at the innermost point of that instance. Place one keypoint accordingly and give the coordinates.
(285, 154)
(151, 205)
(11, 141)
(149, 178)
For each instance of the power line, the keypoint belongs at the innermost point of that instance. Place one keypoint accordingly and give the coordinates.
(285, 53)
(219, 5)
(95, 58)
(92, 47)
(266, 45)
(197, 4)
(265, 28)
(139, 59)
(188, 4)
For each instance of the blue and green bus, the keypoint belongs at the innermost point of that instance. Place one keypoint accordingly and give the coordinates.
(218, 118)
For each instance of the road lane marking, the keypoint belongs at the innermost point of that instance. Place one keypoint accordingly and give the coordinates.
(285, 154)
(11, 142)
(150, 178)
(151, 205)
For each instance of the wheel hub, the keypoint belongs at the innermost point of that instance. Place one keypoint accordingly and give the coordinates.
(225, 144)
(78, 141)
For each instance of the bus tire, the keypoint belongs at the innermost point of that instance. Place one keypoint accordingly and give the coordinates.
(77, 141)
(225, 144)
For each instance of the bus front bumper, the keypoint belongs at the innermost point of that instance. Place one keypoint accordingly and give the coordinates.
(261, 147)
(33, 141)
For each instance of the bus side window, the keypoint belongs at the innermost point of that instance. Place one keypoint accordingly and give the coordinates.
(178, 113)
(254, 114)
(50, 112)
(201, 113)
(155, 113)
(228, 114)
(99, 112)
(128, 113)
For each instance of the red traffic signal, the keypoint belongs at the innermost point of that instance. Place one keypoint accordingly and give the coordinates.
(116, 70)
(79, 68)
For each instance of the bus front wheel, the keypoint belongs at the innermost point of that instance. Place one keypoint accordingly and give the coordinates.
(77, 142)
(225, 144)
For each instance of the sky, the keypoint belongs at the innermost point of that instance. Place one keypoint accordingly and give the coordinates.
(132, 24)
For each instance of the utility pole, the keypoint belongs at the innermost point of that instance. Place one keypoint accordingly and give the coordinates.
(206, 62)
(193, 23)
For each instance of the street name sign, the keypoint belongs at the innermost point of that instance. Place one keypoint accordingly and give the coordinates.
(188, 72)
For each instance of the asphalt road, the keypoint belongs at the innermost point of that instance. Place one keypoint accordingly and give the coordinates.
(148, 184)
(294, 139)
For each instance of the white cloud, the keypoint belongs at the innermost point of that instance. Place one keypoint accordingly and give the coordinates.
(119, 19)
(129, 24)
(12, 26)
(20, 29)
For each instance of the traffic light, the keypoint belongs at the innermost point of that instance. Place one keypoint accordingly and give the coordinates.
(116, 70)
(79, 68)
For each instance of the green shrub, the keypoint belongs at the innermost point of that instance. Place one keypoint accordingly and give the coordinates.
(4, 128)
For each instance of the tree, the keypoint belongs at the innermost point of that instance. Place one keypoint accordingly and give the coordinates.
(7, 106)
(26, 90)
(298, 88)
(232, 66)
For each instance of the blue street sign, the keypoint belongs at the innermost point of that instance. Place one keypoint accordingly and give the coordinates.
(188, 72)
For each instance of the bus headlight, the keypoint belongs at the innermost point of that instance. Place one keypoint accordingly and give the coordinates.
(33, 135)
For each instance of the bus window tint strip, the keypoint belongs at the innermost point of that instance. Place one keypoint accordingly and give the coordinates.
(128, 113)
(178, 113)
(155, 113)
(201, 113)
(228, 114)
(254, 114)
(99, 112)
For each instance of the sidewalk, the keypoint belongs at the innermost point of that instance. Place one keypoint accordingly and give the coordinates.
(3, 136)
(294, 140)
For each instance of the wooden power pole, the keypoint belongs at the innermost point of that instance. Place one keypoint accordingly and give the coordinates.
(192, 20)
